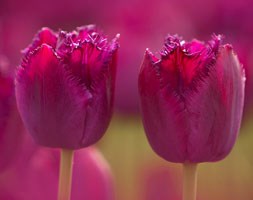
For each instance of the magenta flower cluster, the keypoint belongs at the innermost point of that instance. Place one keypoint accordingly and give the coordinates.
(191, 97)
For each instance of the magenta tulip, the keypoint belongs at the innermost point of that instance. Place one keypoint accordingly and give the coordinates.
(11, 129)
(65, 87)
(192, 100)
(36, 177)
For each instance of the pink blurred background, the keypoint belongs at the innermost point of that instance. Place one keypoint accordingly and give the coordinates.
(141, 24)
(144, 24)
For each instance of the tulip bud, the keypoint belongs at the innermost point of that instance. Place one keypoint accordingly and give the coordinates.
(192, 100)
(65, 87)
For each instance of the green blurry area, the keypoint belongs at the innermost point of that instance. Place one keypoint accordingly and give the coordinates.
(131, 159)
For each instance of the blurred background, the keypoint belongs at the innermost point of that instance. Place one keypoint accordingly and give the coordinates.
(138, 173)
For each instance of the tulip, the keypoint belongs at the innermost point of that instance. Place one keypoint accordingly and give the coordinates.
(192, 102)
(64, 91)
(65, 87)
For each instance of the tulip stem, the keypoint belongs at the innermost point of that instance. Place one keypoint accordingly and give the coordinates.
(190, 181)
(65, 176)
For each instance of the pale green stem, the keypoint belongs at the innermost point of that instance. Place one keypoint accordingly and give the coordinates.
(190, 181)
(65, 176)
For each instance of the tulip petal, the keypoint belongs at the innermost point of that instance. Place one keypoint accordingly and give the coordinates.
(164, 128)
(52, 103)
(215, 110)
(100, 109)
(44, 36)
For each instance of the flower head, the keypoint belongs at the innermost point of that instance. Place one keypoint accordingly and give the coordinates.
(65, 87)
(192, 99)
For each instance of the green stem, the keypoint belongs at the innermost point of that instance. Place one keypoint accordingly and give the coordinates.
(190, 181)
(65, 176)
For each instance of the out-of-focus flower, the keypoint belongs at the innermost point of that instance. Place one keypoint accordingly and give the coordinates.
(65, 87)
(37, 178)
(11, 132)
(159, 182)
(192, 100)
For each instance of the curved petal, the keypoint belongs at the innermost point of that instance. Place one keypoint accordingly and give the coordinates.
(44, 36)
(100, 110)
(215, 110)
(52, 103)
(162, 112)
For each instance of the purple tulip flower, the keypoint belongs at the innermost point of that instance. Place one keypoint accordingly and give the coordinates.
(192, 99)
(65, 87)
